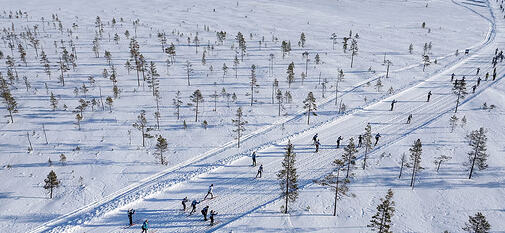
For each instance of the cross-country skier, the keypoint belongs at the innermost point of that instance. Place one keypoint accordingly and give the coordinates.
(145, 226)
(452, 77)
(211, 187)
(314, 139)
(193, 206)
(478, 70)
(317, 145)
(212, 214)
(377, 136)
(360, 140)
(205, 210)
(130, 216)
(253, 156)
(478, 81)
(473, 88)
(409, 119)
(184, 203)
(392, 105)
(429, 96)
(260, 171)
(338, 141)
(487, 76)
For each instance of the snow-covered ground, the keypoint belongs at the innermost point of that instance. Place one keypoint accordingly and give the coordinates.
(117, 175)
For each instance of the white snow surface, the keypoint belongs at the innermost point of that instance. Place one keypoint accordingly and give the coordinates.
(118, 175)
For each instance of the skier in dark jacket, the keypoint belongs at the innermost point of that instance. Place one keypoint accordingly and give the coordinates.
(130, 216)
(487, 76)
(452, 77)
(478, 81)
(377, 136)
(193, 206)
(317, 145)
(409, 119)
(478, 70)
(338, 141)
(314, 139)
(145, 226)
(473, 88)
(392, 105)
(360, 140)
(211, 187)
(212, 214)
(205, 210)
(260, 171)
(429, 96)
(253, 156)
(184, 203)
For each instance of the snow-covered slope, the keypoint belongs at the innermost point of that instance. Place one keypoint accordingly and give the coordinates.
(116, 172)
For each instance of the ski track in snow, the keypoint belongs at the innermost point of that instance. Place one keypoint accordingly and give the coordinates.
(245, 204)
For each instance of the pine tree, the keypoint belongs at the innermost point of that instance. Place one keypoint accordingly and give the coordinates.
(334, 181)
(415, 160)
(291, 73)
(411, 48)
(288, 177)
(189, 70)
(8, 99)
(381, 221)
(440, 159)
(177, 104)
(235, 65)
(403, 163)
(426, 61)
(54, 101)
(241, 44)
(63, 68)
(285, 47)
(453, 122)
(45, 64)
(141, 125)
(109, 102)
(477, 224)
(279, 98)
(253, 82)
(349, 157)
(302, 39)
(310, 106)
(225, 70)
(78, 118)
(477, 156)
(354, 50)
(153, 78)
(51, 182)
(239, 123)
(161, 147)
(134, 54)
(196, 98)
(368, 142)
(459, 89)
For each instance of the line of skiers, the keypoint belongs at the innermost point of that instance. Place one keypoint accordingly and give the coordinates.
(315, 140)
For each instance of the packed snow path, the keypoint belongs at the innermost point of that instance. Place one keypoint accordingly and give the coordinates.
(238, 193)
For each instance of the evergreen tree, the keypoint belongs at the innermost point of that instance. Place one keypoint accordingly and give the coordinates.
(78, 118)
(45, 63)
(239, 123)
(288, 177)
(291, 73)
(241, 44)
(109, 102)
(279, 98)
(453, 122)
(189, 71)
(310, 106)
(334, 181)
(225, 70)
(235, 65)
(381, 221)
(177, 104)
(349, 157)
(354, 50)
(8, 99)
(54, 101)
(459, 89)
(161, 147)
(411, 48)
(153, 78)
(477, 156)
(367, 137)
(440, 159)
(141, 125)
(196, 98)
(51, 182)
(63, 68)
(477, 224)
(415, 159)
(253, 82)
(302, 39)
